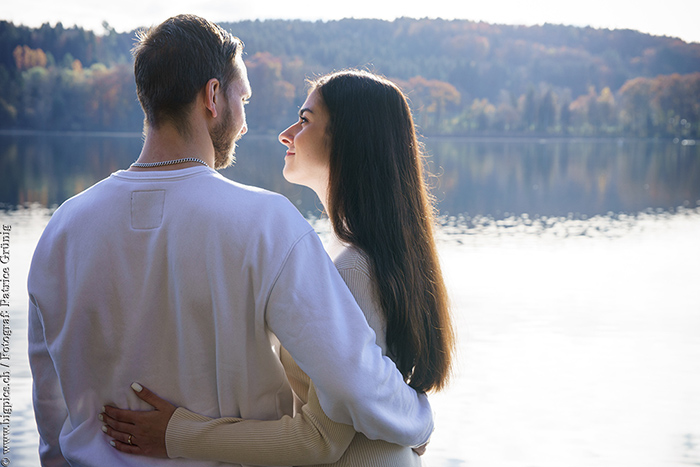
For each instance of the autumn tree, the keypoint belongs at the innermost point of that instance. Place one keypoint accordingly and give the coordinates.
(461, 76)
(430, 100)
(606, 110)
(26, 57)
(584, 113)
(636, 114)
(272, 105)
(676, 101)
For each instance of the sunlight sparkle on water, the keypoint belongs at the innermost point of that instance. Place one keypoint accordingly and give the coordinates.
(577, 340)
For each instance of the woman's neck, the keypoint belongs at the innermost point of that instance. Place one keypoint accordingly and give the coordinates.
(322, 192)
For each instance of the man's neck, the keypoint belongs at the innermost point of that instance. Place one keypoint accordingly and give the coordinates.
(167, 144)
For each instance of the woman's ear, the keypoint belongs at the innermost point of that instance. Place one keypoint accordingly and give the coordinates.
(211, 96)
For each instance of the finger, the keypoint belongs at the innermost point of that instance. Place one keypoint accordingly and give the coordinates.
(125, 447)
(126, 416)
(121, 415)
(118, 435)
(149, 396)
(420, 450)
(116, 424)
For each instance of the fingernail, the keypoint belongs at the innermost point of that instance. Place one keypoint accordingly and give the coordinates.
(113, 444)
(104, 428)
(103, 409)
(100, 417)
(136, 387)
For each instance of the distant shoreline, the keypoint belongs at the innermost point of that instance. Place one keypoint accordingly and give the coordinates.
(510, 137)
(111, 134)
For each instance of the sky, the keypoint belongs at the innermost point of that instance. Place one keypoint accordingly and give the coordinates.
(677, 18)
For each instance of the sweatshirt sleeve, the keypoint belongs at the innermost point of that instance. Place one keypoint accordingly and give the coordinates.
(49, 407)
(316, 319)
(310, 437)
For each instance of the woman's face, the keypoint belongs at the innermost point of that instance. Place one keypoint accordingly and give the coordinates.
(307, 161)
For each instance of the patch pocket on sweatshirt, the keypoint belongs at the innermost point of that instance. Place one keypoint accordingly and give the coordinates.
(147, 209)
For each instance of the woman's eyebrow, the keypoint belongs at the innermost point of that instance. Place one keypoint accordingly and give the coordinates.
(305, 109)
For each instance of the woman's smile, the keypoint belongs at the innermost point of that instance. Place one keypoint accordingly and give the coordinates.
(307, 159)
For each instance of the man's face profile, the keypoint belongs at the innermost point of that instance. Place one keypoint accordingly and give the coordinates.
(232, 125)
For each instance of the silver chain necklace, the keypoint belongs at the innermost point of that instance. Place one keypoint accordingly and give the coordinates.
(162, 163)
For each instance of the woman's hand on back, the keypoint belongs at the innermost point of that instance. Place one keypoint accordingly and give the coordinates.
(139, 432)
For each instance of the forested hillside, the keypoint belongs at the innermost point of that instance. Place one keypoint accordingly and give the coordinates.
(462, 77)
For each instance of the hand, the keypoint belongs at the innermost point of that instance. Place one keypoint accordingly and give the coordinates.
(138, 432)
(420, 450)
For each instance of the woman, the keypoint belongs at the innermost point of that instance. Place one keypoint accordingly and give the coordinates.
(356, 147)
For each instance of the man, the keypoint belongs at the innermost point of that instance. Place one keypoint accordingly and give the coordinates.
(171, 275)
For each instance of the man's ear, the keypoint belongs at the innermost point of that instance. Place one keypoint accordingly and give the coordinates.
(211, 96)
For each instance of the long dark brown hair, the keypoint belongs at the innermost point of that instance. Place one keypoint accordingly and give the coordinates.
(379, 202)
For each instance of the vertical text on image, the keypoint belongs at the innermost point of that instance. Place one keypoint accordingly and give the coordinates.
(5, 375)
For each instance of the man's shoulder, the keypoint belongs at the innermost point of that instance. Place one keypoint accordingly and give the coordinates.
(237, 196)
(196, 197)
(253, 192)
(233, 205)
(81, 201)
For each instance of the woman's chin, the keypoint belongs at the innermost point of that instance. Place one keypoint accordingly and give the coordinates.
(286, 174)
(290, 176)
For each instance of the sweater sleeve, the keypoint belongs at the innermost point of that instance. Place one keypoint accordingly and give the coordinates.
(309, 437)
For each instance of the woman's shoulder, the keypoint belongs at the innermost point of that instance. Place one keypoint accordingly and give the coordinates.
(353, 264)
(352, 258)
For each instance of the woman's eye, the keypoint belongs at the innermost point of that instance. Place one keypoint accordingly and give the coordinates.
(303, 120)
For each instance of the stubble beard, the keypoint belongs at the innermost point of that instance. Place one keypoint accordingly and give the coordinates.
(224, 142)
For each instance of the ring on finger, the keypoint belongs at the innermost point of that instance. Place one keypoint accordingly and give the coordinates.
(129, 440)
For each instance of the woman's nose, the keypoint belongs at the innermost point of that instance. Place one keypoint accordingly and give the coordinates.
(286, 137)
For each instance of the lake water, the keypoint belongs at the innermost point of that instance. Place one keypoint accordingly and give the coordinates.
(573, 272)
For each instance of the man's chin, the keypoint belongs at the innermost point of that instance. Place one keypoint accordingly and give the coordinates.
(225, 161)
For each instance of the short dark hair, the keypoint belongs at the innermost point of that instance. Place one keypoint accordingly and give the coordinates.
(378, 201)
(174, 61)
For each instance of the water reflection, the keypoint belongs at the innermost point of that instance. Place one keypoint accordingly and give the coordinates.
(563, 177)
(48, 169)
(612, 225)
(483, 180)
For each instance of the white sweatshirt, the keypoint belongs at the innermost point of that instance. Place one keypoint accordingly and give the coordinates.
(181, 280)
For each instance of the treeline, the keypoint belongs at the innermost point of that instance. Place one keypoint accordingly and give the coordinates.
(462, 77)
(56, 78)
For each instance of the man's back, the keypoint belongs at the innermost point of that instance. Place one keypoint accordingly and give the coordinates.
(161, 278)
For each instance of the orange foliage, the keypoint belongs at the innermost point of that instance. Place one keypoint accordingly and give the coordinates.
(26, 57)
(429, 98)
(271, 93)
